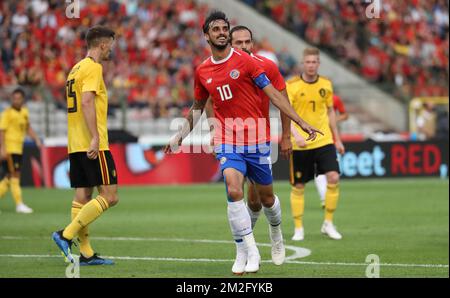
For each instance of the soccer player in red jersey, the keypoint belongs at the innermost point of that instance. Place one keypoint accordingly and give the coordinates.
(233, 79)
(262, 197)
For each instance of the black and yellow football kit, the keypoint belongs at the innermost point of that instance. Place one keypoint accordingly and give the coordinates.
(85, 76)
(14, 124)
(311, 101)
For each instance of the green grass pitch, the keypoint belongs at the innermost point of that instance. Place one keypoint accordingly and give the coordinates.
(182, 231)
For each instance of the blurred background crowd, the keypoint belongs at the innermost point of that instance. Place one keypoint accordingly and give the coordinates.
(405, 51)
(158, 45)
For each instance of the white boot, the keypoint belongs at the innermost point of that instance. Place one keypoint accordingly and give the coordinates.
(299, 234)
(329, 229)
(278, 250)
(22, 208)
(253, 257)
(241, 259)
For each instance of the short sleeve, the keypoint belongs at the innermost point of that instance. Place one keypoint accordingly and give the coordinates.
(4, 120)
(329, 96)
(275, 76)
(200, 92)
(27, 115)
(253, 68)
(93, 78)
(290, 93)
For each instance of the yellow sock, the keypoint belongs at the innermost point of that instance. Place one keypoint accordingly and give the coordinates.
(331, 200)
(16, 191)
(83, 234)
(90, 212)
(298, 206)
(4, 186)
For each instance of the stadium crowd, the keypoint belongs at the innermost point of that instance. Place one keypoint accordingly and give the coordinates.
(158, 44)
(405, 50)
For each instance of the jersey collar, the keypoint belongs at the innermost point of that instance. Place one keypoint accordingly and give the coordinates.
(224, 59)
(313, 82)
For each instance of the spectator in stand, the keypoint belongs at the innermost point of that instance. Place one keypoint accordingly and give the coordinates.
(158, 47)
(426, 122)
(407, 50)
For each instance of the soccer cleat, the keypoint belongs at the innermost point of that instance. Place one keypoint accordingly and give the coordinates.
(22, 208)
(240, 262)
(299, 234)
(278, 250)
(63, 244)
(253, 260)
(94, 260)
(322, 204)
(329, 229)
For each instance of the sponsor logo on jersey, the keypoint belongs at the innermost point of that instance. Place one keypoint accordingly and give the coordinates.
(208, 81)
(234, 74)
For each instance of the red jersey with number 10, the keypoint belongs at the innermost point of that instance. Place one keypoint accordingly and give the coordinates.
(236, 98)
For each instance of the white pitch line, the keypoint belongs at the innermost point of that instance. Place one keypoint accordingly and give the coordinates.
(299, 252)
(366, 264)
(125, 258)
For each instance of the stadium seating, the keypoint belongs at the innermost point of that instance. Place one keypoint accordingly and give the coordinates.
(158, 45)
(405, 51)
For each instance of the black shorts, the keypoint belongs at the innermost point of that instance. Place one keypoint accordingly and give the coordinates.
(306, 164)
(12, 164)
(85, 172)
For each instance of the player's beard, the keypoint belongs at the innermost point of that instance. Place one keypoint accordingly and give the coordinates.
(219, 47)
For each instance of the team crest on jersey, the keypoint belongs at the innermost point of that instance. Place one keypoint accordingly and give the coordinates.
(322, 92)
(223, 160)
(234, 74)
(208, 81)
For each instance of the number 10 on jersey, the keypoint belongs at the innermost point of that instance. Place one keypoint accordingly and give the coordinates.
(225, 92)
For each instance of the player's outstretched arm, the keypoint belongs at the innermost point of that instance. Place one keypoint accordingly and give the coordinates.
(285, 144)
(283, 104)
(90, 116)
(196, 109)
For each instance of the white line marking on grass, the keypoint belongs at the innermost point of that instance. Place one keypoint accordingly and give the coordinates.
(125, 258)
(299, 252)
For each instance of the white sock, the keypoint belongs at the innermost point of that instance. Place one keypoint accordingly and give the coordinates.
(253, 216)
(239, 219)
(240, 245)
(321, 185)
(273, 213)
